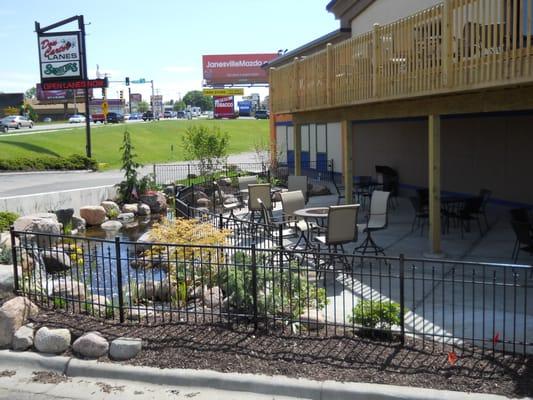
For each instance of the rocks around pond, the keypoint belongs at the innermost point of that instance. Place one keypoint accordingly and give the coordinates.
(156, 201)
(124, 348)
(93, 215)
(53, 341)
(23, 338)
(130, 208)
(69, 289)
(56, 260)
(78, 224)
(64, 216)
(111, 225)
(126, 217)
(112, 209)
(13, 314)
(44, 225)
(203, 203)
(313, 319)
(91, 345)
(7, 281)
(144, 210)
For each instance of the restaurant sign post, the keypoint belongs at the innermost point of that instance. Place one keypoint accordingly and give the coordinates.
(63, 63)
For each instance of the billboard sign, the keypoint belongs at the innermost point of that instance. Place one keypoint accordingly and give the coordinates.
(136, 97)
(59, 95)
(224, 107)
(60, 56)
(236, 68)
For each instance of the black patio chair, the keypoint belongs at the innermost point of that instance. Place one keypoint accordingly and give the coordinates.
(469, 211)
(482, 211)
(524, 239)
(421, 214)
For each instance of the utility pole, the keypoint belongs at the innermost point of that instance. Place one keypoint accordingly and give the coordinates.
(152, 98)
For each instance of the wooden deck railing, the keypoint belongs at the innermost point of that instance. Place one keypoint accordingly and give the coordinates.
(457, 45)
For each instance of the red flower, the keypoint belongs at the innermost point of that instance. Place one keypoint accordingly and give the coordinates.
(452, 357)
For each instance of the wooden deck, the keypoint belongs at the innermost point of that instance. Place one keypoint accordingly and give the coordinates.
(455, 46)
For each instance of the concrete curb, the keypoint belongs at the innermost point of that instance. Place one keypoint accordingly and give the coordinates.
(276, 386)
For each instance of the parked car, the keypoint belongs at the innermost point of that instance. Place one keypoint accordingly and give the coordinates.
(181, 114)
(148, 116)
(114, 118)
(262, 114)
(76, 119)
(127, 117)
(17, 121)
(98, 118)
(168, 114)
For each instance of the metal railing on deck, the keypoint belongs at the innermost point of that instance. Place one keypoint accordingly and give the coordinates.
(456, 45)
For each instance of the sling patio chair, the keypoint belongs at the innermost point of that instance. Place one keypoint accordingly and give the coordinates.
(341, 229)
(259, 191)
(297, 182)
(376, 220)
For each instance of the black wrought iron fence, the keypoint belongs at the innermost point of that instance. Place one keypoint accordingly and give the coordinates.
(464, 305)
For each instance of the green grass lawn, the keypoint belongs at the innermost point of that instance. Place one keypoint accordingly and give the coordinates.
(155, 142)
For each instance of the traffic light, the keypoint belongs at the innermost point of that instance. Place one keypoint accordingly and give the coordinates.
(127, 81)
(121, 95)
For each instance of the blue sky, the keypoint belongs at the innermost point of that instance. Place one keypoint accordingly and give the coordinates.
(159, 40)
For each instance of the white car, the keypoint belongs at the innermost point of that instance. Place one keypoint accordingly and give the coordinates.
(76, 119)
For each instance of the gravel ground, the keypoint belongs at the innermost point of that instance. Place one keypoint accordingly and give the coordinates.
(351, 359)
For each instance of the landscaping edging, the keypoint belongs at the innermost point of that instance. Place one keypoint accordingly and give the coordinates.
(277, 385)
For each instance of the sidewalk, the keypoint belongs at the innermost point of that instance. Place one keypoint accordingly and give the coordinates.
(71, 378)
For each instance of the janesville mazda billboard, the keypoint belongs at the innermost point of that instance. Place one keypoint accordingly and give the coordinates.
(236, 68)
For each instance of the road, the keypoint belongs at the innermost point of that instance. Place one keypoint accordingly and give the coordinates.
(24, 183)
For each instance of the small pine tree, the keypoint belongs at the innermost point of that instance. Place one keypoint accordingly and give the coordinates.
(127, 189)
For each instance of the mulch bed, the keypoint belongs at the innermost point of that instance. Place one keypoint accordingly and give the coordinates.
(350, 359)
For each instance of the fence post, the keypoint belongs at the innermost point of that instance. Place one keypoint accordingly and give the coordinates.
(14, 257)
(402, 298)
(188, 174)
(280, 236)
(220, 221)
(254, 284)
(119, 279)
(155, 176)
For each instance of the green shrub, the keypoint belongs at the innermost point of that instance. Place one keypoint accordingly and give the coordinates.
(6, 220)
(5, 255)
(372, 314)
(73, 162)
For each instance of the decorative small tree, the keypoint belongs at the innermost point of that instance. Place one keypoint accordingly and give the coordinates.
(127, 189)
(209, 147)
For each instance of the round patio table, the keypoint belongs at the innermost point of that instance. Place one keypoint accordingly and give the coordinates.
(317, 213)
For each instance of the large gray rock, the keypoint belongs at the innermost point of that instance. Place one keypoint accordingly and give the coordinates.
(130, 208)
(313, 319)
(56, 260)
(156, 201)
(54, 341)
(97, 306)
(111, 208)
(7, 281)
(93, 215)
(124, 348)
(45, 226)
(13, 314)
(23, 338)
(126, 217)
(111, 225)
(91, 345)
(144, 209)
(69, 289)
(213, 297)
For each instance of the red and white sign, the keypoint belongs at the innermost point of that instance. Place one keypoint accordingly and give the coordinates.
(224, 107)
(236, 68)
(60, 56)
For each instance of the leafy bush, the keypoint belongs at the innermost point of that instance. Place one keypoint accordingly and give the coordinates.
(5, 255)
(372, 314)
(147, 183)
(6, 220)
(73, 162)
(209, 147)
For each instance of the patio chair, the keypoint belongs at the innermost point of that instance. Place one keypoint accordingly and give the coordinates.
(363, 190)
(290, 202)
(524, 240)
(274, 227)
(228, 202)
(297, 182)
(341, 229)
(377, 220)
(520, 215)
(421, 214)
(258, 191)
(243, 182)
(469, 211)
(484, 194)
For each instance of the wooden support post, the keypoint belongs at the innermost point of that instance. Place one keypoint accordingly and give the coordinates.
(297, 138)
(347, 160)
(434, 185)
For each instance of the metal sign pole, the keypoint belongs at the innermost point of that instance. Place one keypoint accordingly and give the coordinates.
(84, 66)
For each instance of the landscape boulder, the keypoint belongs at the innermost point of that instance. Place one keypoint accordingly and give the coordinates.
(156, 201)
(78, 224)
(126, 217)
(64, 216)
(111, 208)
(91, 345)
(124, 348)
(203, 203)
(7, 281)
(56, 260)
(13, 314)
(144, 210)
(23, 338)
(97, 305)
(69, 289)
(44, 225)
(213, 297)
(93, 215)
(313, 319)
(53, 341)
(111, 225)
(130, 208)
